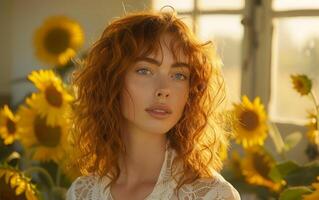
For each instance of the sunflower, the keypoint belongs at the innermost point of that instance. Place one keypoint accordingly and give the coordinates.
(46, 142)
(235, 164)
(68, 167)
(53, 100)
(16, 186)
(251, 127)
(70, 171)
(8, 125)
(223, 152)
(314, 195)
(57, 40)
(313, 132)
(302, 84)
(68, 164)
(256, 166)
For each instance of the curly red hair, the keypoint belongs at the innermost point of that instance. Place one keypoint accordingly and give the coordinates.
(198, 135)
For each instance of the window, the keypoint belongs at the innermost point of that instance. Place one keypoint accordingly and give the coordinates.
(261, 43)
(295, 51)
(223, 27)
(295, 4)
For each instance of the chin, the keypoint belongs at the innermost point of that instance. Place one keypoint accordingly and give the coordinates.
(159, 130)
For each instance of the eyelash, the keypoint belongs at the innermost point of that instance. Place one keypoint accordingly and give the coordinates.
(184, 76)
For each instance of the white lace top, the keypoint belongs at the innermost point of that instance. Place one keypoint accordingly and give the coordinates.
(90, 188)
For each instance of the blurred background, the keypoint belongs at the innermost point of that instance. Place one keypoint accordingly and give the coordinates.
(262, 44)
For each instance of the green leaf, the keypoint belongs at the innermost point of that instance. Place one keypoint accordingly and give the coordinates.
(292, 140)
(276, 137)
(281, 170)
(294, 193)
(304, 175)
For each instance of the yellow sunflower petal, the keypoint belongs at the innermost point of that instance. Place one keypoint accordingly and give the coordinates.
(30, 195)
(9, 140)
(251, 127)
(8, 125)
(44, 78)
(57, 40)
(302, 84)
(54, 115)
(21, 186)
(247, 102)
(16, 184)
(53, 100)
(313, 132)
(46, 141)
(8, 176)
(256, 166)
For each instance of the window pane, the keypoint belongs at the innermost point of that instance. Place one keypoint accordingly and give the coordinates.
(227, 32)
(188, 20)
(217, 4)
(296, 51)
(295, 4)
(181, 5)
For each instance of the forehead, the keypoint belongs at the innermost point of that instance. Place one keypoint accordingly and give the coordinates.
(167, 47)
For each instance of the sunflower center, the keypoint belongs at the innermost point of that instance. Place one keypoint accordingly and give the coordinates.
(8, 193)
(53, 96)
(11, 127)
(57, 40)
(299, 84)
(261, 166)
(46, 135)
(249, 120)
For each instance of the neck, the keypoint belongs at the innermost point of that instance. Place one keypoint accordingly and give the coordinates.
(145, 154)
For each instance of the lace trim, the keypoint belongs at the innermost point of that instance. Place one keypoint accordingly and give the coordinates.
(164, 183)
(204, 189)
(217, 188)
(161, 188)
(83, 188)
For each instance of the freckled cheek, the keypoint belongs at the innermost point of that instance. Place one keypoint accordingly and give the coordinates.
(139, 92)
(180, 96)
(140, 88)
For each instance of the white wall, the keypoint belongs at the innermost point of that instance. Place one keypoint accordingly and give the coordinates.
(20, 19)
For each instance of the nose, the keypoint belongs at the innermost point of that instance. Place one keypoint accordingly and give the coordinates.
(162, 89)
(162, 93)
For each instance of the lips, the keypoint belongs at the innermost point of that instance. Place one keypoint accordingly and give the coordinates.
(159, 109)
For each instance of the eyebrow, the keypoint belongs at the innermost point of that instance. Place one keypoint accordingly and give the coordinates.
(156, 62)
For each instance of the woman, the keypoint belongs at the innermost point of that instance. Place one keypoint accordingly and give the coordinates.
(148, 121)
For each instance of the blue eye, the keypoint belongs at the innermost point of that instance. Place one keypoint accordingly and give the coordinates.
(180, 76)
(143, 71)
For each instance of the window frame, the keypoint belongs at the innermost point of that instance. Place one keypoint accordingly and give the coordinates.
(257, 44)
(257, 56)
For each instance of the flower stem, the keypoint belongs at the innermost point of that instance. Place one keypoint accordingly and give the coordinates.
(313, 96)
(58, 193)
(42, 171)
(58, 177)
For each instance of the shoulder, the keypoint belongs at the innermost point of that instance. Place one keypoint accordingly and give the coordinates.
(222, 189)
(210, 189)
(83, 188)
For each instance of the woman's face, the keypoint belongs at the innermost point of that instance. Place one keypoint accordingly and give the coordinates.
(150, 84)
